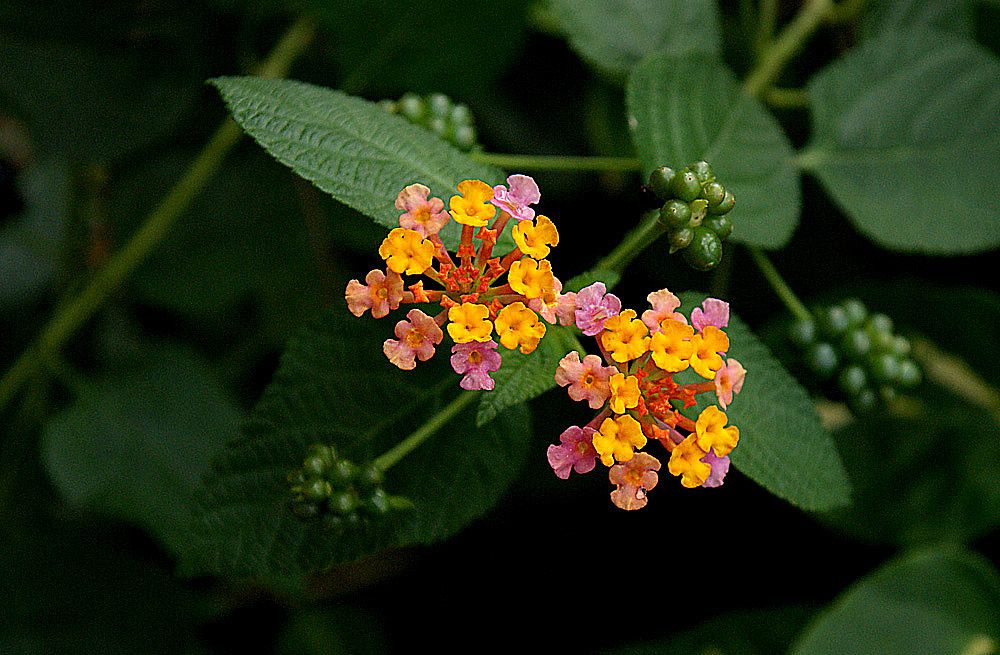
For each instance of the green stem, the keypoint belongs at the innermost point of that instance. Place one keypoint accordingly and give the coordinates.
(779, 285)
(787, 98)
(425, 431)
(557, 162)
(634, 243)
(74, 313)
(787, 45)
(766, 21)
(847, 10)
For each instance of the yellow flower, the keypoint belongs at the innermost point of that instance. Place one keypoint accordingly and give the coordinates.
(405, 251)
(535, 237)
(473, 206)
(533, 279)
(625, 337)
(469, 322)
(712, 433)
(618, 438)
(685, 461)
(519, 326)
(707, 345)
(624, 392)
(671, 346)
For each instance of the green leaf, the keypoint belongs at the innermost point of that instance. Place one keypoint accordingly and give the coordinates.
(953, 16)
(353, 149)
(889, 146)
(585, 279)
(323, 391)
(783, 447)
(136, 446)
(343, 629)
(683, 109)
(939, 602)
(614, 35)
(523, 377)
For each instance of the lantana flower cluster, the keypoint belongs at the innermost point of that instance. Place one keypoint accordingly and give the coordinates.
(481, 296)
(632, 386)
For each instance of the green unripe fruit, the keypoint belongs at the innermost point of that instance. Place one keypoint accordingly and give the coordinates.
(314, 466)
(856, 312)
(333, 522)
(465, 137)
(803, 332)
(832, 321)
(305, 510)
(316, 489)
(721, 225)
(884, 368)
(685, 185)
(852, 380)
(342, 502)
(724, 207)
(705, 250)
(660, 182)
(378, 502)
(864, 401)
(675, 214)
(460, 115)
(856, 344)
(822, 359)
(440, 104)
(882, 341)
(888, 394)
(368, 477)
(343, 473)
(900, 346)
(714, 193)
(681, 239)
(879, 323)
(702, 171)
(412, 107)
(908, 375)
(438, 125)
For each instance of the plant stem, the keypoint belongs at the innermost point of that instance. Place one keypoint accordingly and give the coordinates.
(421, 434)
(634, 243)
(786, 98)
(74, 313)
(779, 285)
(788, 43)
(767, 18)
(557, 162)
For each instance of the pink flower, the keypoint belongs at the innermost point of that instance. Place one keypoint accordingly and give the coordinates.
(663, 304)
(561, 310)
(382, 293)
(523, 192)
(416, 339)
(712, 312)
(423, 215)
(729, 381)
(633, 479)
(476, 360)
(575, 452)
(587, 380)
(720, 467)
(594, 305)
(566, 308)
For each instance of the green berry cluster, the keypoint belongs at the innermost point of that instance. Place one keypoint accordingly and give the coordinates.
(335, 489)
(693, 208)
(857, 352)
(436, 112)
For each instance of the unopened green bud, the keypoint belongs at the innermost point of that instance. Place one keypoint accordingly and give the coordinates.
(660, 182)
(675, 214)
(685, 185)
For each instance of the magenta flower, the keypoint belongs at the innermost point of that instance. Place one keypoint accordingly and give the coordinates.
(633, 479)
(416, 339)
(594, 305)
(712, 312)
(720, 467)
(381, 293)
(729, 381)
(476, 360)
(423, 215)
(587, 380)
(576, 452)
(523, 192)
(663, 304)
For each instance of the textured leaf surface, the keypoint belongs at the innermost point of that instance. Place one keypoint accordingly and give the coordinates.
(905, 140)
(783, 447)
(931, 603)
(331, 387)
(682, 109)
(350, 148)
(944, 15)
(615, 35)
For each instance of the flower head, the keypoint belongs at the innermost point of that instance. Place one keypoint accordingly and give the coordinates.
(685, 461)
(662, 303)
(594, 306)
(624, 392)
(535, 237)
(707, 345)
(587, 380)
(618, 438)
(575, 451)
(523, 192)
(633, 479)
(381, 293)
(406, 251)
(533, 279)
(729, 381)
(423, 215)
(415, 339)
(712, 312)
(625, 337)
(671, 346)
(469, 322)
(519, 327)
(475, 361)
(473, 206)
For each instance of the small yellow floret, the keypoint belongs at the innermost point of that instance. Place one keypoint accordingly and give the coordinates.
(712, 432)
(533, 279)
(469, 322)
(707, 345)
(685, 461)
(405, 251)
(625, 337)
(519, 327)
(618, 438)
(624, 392)
(535, 237)
(473, 206)
(671, 346)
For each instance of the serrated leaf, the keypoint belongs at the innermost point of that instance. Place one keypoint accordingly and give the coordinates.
(615, 35)
(330, 388)
(682, 109)
(136, 446)
(905, 141)
(523, 377)
(939, 602)
(351, 148)
(585, 279)
(783, 446)
(953, 16)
